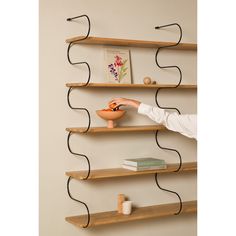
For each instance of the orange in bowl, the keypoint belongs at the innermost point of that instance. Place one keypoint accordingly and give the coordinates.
(112, 106)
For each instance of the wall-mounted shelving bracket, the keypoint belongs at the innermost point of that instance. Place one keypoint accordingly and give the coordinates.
(86, 206)
(170, 191)
(169, 149)
(81, 39)
(78, 108)
(177, 170)
(78, 154)
(170, 108)
(167, 67)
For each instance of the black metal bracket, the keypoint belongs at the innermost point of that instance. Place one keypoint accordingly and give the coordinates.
(180, 165)
(78, 154)
(165, 67)
(69, 193)
(168, 46)
(75, 41)
(170, 191)
(170, 108)
(170, 149)
(78, 108)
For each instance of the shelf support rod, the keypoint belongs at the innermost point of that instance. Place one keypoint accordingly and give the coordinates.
(169, 149)
(170, 108)
(78, 108)
(73, 42)
(86, 206)
(165, 67)
(78, 154)
(170, 191)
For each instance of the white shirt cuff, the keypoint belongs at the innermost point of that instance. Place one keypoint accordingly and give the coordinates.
(144, 109)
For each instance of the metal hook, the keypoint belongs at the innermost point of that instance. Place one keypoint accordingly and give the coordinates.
(78, 154)
(69, 193)
(180, 29)
(89, 24)
(78, 108)
(170, 149)
(170, 191)
(71, 43)
(164, 67)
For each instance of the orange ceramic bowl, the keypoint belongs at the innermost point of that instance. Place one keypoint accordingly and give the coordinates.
(107, 114)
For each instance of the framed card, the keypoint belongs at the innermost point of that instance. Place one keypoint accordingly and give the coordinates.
(117, 66)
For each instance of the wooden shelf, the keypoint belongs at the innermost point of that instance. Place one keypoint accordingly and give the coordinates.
(117, 129)
(121, 172)
(106, 85)
(112, 217)
(131, 43)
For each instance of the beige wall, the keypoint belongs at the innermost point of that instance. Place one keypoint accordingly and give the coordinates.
(121, 19)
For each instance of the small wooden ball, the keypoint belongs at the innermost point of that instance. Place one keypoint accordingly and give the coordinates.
(147, 80)
(154, 82)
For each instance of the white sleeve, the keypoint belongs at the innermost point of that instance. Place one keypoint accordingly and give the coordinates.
(184, 124)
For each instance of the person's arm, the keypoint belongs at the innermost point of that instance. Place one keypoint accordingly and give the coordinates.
(184, 124)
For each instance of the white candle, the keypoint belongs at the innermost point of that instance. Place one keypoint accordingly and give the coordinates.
(127, 206)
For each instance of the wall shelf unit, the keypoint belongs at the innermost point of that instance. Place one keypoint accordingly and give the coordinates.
(141, 213)
(129, 43)
(121, 172)
(138, 213)
(131, 86)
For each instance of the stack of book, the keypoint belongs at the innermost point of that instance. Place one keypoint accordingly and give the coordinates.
(142, 164)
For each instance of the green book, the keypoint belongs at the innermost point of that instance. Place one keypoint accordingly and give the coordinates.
(147, 161)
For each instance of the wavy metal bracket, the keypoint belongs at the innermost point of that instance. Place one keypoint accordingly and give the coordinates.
(169, 149)
(164, 67)
(69, 193)
(78, 108)
(71, 44)
(170, 191)
(171, 108)
(78, 154)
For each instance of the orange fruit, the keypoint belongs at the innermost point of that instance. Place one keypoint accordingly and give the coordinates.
(112, 105)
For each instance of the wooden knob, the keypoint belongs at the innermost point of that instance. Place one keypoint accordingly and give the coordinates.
(147, 80)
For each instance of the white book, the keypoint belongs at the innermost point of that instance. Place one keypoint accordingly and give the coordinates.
(134, 168)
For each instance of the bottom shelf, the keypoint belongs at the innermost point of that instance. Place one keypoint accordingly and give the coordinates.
(111, 217)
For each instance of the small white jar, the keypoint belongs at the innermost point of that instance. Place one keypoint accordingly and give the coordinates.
(127, 207)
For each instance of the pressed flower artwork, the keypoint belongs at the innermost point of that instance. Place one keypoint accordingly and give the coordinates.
(117, 66)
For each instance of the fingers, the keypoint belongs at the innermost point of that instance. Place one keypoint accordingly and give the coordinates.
(117, 101)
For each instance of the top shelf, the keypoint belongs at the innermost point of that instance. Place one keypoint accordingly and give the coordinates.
(130, 43)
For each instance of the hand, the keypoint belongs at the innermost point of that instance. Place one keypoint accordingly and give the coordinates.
(124, 102)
